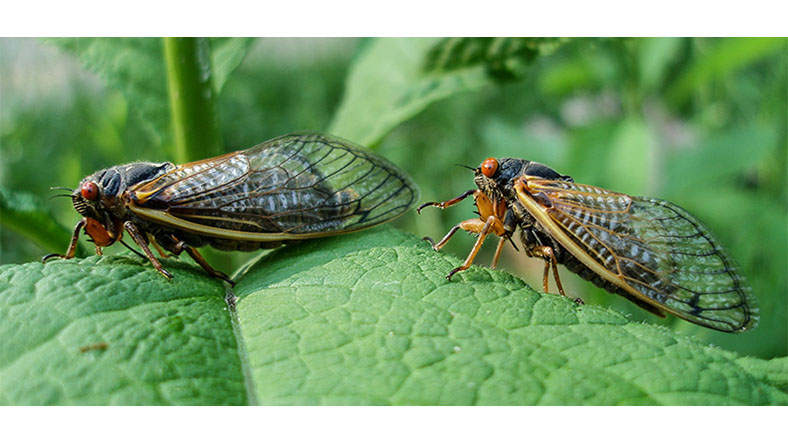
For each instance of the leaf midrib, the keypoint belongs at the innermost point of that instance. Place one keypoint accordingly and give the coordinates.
(246, 370)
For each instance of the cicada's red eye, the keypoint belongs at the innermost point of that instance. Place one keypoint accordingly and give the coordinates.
(489, 167)
(89, 191)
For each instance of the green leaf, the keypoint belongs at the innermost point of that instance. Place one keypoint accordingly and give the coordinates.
(774, 371)
(226, 55)
(505, 58)
(388, 85)
(135, 67)
(366, 318)
(112, 331)
(655, 56)
(26, 214)
(726, 56)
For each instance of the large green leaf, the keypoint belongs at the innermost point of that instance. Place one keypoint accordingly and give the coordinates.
(359, 319)
(110, 331)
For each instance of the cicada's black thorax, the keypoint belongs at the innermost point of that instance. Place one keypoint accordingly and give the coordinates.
(501, 185)
(111, 183)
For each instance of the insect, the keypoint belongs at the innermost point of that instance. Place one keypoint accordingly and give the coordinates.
(294, 187)
(648, 250)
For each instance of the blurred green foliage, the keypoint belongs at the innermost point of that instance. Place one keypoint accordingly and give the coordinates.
(699, 122)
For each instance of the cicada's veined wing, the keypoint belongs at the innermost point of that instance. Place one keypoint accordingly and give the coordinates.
(651, 248)
(295, 186)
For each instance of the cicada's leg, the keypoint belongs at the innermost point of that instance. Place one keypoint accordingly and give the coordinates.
(447, 203)
(196, 256)
(509, 226)
(490, 214)
(98, 250)
(497, 211)
(72, 247)
(498, 252)
(444, 205)
(486, 210)
(135, 234)
(483, 228)
(546, 253)
(445, 239)
(162, 252)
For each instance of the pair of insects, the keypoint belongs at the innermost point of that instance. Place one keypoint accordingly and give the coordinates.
(303, 186)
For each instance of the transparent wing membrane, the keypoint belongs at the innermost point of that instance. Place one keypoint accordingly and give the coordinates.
(656, 249)
(299, 184)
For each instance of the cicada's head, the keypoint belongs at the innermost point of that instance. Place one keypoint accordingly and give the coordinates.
(495, 177)
(94, 199)
(97, 196)
(97, 193)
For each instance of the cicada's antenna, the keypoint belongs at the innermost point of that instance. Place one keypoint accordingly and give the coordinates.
(60, 188)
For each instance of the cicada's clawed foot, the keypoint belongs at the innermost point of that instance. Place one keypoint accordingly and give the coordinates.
(163, 272)
(456, 270)
(431, 242)
(197, 257)
(579, 301)
(224, 277)
(447, 203)
(51, 256)
(424, 205)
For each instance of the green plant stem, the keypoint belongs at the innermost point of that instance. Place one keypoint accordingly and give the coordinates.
(191, 99)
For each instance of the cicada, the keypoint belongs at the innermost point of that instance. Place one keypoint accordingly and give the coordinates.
(291, 188)
(648, 250)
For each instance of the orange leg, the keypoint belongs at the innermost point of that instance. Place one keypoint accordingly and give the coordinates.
(474, 225)
(498, 252)
(482, 228)
(445, 239)
(490, 220)
(447, 203)
(546, 253)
